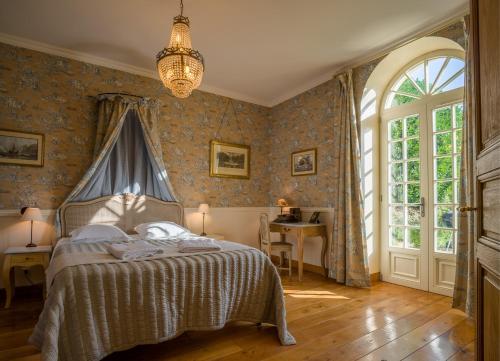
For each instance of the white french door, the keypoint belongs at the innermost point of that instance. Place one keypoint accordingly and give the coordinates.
(420, 163)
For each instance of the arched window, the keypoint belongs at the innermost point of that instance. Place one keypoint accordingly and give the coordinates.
(431, 76)
(421, 134)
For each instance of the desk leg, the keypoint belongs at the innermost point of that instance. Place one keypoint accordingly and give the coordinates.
(8, 281)
(324, 249)
(300, 252)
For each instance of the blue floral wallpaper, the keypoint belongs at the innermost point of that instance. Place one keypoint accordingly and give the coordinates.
(52, 95)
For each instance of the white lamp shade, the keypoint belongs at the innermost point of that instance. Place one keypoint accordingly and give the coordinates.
(32, 214)
(203, 208)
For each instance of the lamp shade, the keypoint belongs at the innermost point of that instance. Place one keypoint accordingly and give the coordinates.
(203, 208)
(282, 202)
(32, 214)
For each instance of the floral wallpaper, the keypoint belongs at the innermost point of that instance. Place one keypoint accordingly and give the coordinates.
(53, 95)
(309, 120)
(47, 94)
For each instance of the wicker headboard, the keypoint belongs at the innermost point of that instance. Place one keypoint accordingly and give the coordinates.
(124, 211)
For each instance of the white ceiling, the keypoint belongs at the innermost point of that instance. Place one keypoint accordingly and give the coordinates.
(263, 51)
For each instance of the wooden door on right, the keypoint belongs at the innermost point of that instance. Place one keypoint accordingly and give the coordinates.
(485, 16)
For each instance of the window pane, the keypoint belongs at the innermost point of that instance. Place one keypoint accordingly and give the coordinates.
(414, 238)
(397, 172)
(458, 159)
(400, 99)
(443, 144)
(459, 115)
(458, 141)
(454, 65)
(442, 119)
(445, 241)
(413, 170)
(433, 67)
(444, 168)
(397, 215)
(444, 192)
(412, 126)
(414, 215)
(412, 148)
(444, 217)
(397, 236)
(417, 73)
(397, 129)
(456, 83)
(408, 87)
(397, 193)
(413, 194)
(397, 151)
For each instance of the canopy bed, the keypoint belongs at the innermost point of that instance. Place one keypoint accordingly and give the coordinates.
(98, 304)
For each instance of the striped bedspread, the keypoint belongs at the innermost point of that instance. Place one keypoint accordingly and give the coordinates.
(94, 309)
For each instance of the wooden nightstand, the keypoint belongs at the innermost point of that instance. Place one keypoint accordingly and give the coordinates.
(22, 257)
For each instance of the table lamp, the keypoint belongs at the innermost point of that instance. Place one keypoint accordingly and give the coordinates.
(282, 203)
(203, 208)
(31, 214)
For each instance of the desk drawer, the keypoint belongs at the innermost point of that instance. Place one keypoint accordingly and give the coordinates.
(28, 259)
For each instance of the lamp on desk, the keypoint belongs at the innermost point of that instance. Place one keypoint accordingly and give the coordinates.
(31, 214)
(282, 203)
(203, 208)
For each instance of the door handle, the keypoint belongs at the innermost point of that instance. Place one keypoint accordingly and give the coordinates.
(422, 207)
(466, 209)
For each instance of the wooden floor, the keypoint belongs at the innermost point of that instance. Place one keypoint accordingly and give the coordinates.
(329, 321)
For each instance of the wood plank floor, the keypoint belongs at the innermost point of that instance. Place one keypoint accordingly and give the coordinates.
(329, 321)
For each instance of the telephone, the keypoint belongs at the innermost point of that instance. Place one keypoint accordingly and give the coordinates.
(286, 218)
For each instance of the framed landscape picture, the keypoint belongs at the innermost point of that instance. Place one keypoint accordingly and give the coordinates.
(304, 162)
(21, 148)
(229, 160)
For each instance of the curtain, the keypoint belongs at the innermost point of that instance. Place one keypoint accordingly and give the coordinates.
(127, 153)
(463, 294)
(348, 259)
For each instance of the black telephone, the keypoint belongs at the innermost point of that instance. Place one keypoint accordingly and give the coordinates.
(314, 218)
(286, 218)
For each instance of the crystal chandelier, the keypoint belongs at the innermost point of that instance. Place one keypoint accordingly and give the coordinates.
(180, 66)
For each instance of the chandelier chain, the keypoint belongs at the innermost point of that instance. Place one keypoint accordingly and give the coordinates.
(182, 7)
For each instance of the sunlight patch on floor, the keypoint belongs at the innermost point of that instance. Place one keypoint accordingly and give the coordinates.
(314, 294)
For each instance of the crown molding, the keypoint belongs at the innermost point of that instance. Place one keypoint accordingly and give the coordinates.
(112, 64)
(447, 20)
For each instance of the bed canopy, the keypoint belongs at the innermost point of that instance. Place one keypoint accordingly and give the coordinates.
(127, 153)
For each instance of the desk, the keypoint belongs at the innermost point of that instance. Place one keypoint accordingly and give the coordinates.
(303, 229)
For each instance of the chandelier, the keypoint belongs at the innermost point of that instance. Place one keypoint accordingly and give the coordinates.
(180, 66)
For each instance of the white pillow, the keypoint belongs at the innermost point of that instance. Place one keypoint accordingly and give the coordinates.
(97, 231)
(161, 229)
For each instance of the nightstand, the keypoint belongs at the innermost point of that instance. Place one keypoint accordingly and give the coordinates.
(217, 237)
(23, 257)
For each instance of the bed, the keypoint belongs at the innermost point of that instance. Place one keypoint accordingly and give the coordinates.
(98, 306)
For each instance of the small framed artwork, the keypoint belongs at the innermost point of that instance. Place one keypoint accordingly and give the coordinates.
(229, 160)
(21, 148)
(304, 162)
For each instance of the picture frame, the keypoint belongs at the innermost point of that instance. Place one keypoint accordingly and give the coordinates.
(229, 160)
(303, 162)
(314, 217)
(21, 148)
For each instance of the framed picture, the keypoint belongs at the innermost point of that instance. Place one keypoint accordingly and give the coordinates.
(21, 148)
(229, 160)
(304, 162)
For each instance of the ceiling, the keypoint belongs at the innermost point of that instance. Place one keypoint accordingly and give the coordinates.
(260, 51)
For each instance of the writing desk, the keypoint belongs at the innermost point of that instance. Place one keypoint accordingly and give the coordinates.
(301, 230)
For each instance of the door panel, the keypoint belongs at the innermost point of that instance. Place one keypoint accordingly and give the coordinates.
(485, 16)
